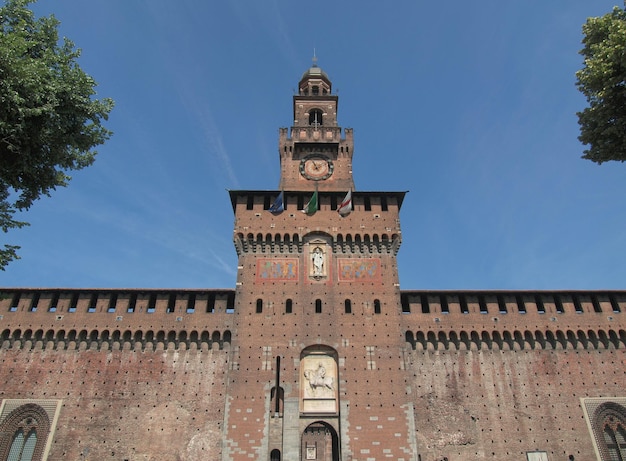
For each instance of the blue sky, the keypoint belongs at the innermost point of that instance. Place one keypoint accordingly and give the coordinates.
(469, 106)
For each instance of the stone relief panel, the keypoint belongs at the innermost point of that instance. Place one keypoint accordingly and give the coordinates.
(318, 384)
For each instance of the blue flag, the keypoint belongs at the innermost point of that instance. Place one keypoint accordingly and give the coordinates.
(278, 206)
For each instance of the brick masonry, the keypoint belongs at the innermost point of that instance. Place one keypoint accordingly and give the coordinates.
(315, 359)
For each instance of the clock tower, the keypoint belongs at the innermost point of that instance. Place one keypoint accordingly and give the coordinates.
(316, 155)
(318, 361)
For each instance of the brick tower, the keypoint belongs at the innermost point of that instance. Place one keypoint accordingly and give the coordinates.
(317, 369)
(316, 354)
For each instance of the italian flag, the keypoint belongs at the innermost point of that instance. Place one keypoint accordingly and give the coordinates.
(311, 207)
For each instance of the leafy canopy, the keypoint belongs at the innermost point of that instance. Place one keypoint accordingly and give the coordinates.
(603, 81)
(49, 120)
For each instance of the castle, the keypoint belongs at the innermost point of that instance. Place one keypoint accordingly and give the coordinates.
(316, 354)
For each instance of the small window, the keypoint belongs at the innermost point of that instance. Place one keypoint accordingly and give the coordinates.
(132, 303)
(152, 303)
(210, 304)
(577, 305)
(288, 306)
(15, 302)
(502, 305)
(259, 306)
(559, 305)
(315, 117)
(425, 304)
(406, 306)
(463, 305)
(191, 303)
(112, 303)
(541, 309)
(347, 306)
(376, 306)
(230, 303)
(521, 307)
(171, 303)
(383, 204)
(318, 306)
(34, 302)
(596, 305)
(73, 303)
(445, 309)
(315, 90)
(482, 305)
(93, 301)
(54, 302)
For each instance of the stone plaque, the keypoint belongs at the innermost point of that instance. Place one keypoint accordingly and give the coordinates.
(318, 384)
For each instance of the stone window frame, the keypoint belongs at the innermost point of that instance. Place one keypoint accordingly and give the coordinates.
(26, 416)
(601, 412)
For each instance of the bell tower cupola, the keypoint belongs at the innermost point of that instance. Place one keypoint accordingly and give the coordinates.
(315, 154)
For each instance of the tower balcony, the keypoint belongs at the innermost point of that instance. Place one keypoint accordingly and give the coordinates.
(316, 134)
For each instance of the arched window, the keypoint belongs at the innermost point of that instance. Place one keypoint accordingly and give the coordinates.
(24, 433)
(348, 306)
(288, 306)
(275, 455)
(318, 306)
(22, 448)
(609, 427)
(259, 306)
(377, 306)
(316, 117)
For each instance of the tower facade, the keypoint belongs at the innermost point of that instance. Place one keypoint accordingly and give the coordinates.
(316, 354)
(317, 290)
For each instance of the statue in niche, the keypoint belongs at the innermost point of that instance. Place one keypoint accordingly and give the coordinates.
(318, 261)
(318, 380)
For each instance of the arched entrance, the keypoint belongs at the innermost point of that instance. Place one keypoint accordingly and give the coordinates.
(319, 443)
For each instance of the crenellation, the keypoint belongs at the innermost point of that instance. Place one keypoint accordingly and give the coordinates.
(316, 354)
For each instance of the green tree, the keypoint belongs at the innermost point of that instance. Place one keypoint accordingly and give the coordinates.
(603, 81)
(49, 119)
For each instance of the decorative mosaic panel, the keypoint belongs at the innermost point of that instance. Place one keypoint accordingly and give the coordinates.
(359, 270)
(283, 269)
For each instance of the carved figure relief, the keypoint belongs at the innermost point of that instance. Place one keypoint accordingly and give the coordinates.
(318, 261)
(318, 383)
(318, 264)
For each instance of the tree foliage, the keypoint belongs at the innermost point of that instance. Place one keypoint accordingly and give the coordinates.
(603, 81)
(49, 120)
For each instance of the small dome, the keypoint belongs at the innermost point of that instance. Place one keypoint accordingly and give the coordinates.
(315, 72)
(315, 78)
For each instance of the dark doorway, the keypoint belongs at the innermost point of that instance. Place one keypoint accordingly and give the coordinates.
(319, 443)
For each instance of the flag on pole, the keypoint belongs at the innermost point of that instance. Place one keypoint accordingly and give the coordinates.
(311, 207)
(279, 205)
(345, 207)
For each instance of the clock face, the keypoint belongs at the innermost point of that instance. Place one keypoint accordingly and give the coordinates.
(316, 167)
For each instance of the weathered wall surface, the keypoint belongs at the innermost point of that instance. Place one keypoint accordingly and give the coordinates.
(125, 405)
(498, 404)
